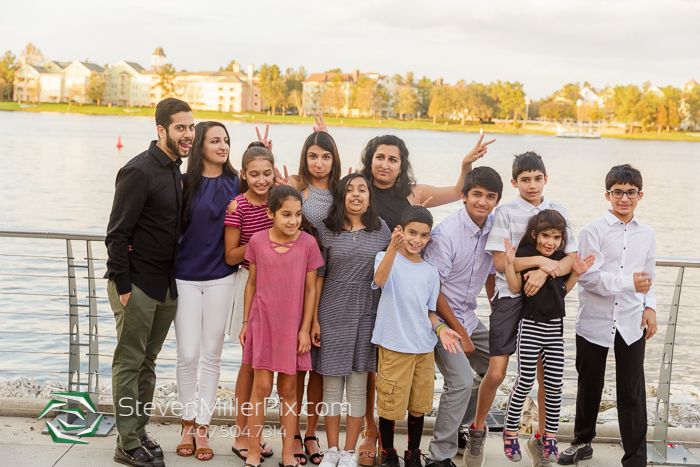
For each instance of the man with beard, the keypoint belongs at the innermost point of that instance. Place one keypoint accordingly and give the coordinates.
(142, 238)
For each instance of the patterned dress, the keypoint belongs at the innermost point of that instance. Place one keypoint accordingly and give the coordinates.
(348, 306)
(278, 305)
(315, 208)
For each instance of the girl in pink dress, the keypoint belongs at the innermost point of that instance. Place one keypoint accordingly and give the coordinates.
(280, 297)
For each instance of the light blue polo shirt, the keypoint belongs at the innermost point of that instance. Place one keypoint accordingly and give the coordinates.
(411, 291)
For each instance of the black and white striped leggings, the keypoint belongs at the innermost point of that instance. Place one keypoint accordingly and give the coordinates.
(544, 338)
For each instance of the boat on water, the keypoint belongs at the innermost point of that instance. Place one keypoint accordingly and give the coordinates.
(561, 133)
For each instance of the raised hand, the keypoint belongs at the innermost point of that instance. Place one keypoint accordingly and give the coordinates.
(580, 266)
(267, 142)
(510, 251)
(320, 124)
(417, 200)
(280, 180)
(478, 151)
(449, 338)
(350, 172)
(397, 239)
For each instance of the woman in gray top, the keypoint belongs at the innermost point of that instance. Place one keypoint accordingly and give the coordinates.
(319, 173)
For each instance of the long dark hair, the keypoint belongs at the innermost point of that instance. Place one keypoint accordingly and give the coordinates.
(278, 195)
(549, 219)
(255, 150)
(195, 165)
(324, 141)
(405, 180)
(337, 215)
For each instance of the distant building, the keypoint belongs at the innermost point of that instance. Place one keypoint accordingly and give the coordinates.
(158, 60)
(129, 85)
(54, 81)
(77, 77)
(317, 83)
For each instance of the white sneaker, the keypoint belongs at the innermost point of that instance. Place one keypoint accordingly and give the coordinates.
(330, 457)
(347, 459)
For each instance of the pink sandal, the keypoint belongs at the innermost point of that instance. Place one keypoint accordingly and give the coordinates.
(511, 447)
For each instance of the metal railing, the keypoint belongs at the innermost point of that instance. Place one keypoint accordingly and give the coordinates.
(87, 380)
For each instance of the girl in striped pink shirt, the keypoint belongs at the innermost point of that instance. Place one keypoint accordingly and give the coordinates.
(246, 215)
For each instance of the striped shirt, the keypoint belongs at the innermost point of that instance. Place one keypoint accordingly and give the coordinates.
(248, 217)
(510, 221)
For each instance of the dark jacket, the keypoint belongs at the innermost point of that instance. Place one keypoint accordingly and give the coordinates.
(548, 302)
(146, 217)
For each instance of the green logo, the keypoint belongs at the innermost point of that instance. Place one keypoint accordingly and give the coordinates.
(79, 424)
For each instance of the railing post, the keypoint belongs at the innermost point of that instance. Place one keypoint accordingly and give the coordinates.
(659, 452)
(93, 350)
(74, 329)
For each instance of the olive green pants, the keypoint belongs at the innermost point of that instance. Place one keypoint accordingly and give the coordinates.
(141, 329)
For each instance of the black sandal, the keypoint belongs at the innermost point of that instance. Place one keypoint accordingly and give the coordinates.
(313, 457)
(239, 451)
(299, 454)
(281, 464)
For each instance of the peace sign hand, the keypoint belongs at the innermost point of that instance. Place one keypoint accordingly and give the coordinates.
(279, 180)
(265, 141)
(397, 239)
(320, 124)
(417, 199)
(478, 151)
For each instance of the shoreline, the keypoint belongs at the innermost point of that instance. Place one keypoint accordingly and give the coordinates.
(253, 117)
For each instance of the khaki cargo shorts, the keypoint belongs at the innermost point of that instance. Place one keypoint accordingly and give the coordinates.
(404, 382)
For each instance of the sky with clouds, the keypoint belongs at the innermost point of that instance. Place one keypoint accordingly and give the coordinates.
(543, 44)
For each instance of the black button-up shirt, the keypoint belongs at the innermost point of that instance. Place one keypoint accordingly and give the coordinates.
(146, 217)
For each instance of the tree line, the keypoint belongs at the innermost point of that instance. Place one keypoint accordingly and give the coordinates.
(648, 107)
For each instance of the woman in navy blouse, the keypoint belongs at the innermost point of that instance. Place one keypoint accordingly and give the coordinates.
(204, 280)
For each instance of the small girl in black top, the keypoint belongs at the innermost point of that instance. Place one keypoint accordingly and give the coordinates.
(541, 329)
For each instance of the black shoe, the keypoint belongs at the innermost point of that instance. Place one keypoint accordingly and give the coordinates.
(442, 463)
(575, 453)
(412, 458)
(141, 458)
(461, 442)
(153, 447)
(390, 458)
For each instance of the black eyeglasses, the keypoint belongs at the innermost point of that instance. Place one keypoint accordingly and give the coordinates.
(618, 194)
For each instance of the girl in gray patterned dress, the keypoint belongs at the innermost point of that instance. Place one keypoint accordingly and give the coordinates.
(352, 235)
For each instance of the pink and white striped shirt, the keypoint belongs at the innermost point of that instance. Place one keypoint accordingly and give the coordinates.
(248, 217)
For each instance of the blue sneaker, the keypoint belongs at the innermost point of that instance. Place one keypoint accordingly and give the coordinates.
(575, 453)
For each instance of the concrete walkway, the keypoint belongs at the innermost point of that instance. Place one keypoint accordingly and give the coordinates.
(22, 444)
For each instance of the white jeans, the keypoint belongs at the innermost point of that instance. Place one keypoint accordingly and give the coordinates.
(199, 328)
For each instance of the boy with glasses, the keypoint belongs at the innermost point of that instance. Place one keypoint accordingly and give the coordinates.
(616, 303)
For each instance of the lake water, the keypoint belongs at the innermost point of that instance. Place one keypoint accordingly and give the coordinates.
(57, 173)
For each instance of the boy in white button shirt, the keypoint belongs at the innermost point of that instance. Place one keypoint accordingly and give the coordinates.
(616, 303)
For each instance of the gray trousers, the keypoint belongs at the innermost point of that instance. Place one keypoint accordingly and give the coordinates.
(459, 393)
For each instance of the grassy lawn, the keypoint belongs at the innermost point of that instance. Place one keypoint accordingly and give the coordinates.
(258, 117)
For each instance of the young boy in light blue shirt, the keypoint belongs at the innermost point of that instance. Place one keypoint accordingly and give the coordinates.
(406, 332)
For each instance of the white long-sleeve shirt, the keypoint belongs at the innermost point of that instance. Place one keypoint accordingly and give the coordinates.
(608, 300)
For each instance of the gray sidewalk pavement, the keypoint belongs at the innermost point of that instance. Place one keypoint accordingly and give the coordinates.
(22, 444)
